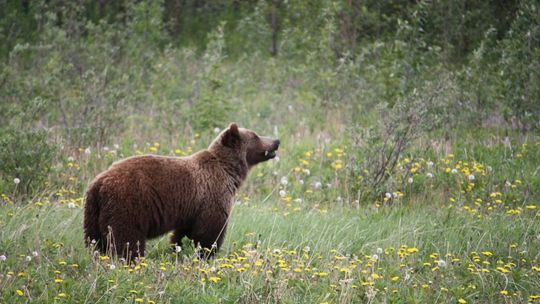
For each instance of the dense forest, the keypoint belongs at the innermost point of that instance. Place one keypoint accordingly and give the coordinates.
(86, 73)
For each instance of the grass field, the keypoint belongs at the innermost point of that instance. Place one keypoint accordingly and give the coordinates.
(464, 228)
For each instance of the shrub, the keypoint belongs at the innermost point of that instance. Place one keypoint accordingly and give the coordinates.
(26, 156)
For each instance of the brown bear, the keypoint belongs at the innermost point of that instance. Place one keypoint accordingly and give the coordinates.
(142, 197)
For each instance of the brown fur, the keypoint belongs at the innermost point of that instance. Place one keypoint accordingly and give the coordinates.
(142, 197)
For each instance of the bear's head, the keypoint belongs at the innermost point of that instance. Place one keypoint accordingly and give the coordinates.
(245, 144)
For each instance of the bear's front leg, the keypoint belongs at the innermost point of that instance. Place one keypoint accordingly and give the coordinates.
(177, 236)
(209, 233)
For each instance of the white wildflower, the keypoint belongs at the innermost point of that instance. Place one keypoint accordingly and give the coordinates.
(429, 175)
(317, 185)
(284, 181)
(87, 151)
(3, 258)
(375, 257)
(28, 258)
(410, 180)
(471, 177)
(307, 172)
(216, 130)
(112, 267)
(116, 146)
(454, 171)
(301, 182)
(298, 200)
(71, 159)
(35, 254)
(429, 163)
(16, 180)
(379, 250)
(282, 193)
(177, 248)
(388, 195)
(71, 205)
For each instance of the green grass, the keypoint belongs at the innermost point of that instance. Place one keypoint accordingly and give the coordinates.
(436, 244)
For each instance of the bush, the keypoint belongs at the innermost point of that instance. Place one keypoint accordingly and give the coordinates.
(26, 156)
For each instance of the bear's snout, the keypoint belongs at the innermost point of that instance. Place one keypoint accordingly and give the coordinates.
(275, 145)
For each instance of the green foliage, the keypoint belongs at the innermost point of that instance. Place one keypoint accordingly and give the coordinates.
(519, 67)
(26, 156)
(211, 106)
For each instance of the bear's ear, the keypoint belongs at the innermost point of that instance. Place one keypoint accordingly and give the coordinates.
(231, 137)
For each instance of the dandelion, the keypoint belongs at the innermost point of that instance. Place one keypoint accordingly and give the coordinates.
(35, 254)
(429, 164)
(19, 292)
(379, 250)
(388, 195)
(87, 151)
(177, 248)
(375, 257)
(462, 301)
(317, 185)
(429, 175)
(71, 159)
(71, 205)
(471, 177)
(504, 292)
(307, 172)
(3, 258)
(441, 263)
(28, 258)
(112, 267)
(454, 171)
(282, 193)
(16, 181)
(284, 181)
(410, 180)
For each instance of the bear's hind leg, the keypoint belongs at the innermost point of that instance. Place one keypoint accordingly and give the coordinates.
(126, 244)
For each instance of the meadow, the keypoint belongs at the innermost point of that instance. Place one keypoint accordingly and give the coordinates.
(464, 229)
(409, 165)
